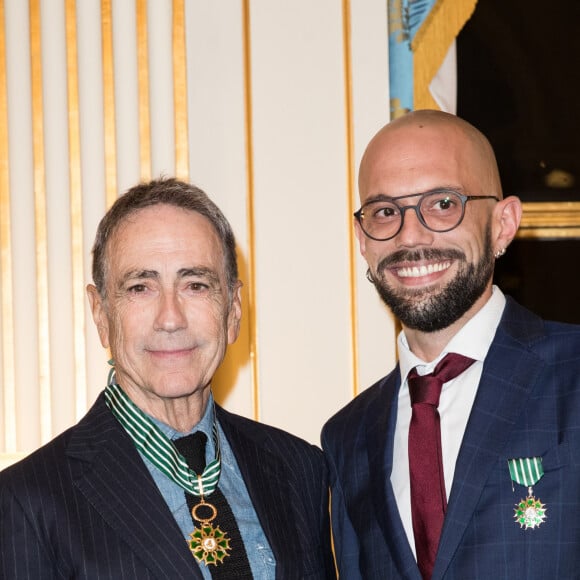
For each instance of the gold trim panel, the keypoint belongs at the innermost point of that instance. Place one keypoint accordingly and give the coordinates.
(109, 103)
(350, 178)
(180, 91)
(550, 220)
(143, 82)
(6, 295)
(76, 209)
(252, 321)
(40, 224)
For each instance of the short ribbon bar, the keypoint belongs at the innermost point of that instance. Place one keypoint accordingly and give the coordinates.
(526, 470)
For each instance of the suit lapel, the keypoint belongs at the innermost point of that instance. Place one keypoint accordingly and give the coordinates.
(109, 472)
(266, 480)
(381, 422)
(505, 386)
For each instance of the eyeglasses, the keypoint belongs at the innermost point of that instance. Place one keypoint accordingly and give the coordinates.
(439, 211)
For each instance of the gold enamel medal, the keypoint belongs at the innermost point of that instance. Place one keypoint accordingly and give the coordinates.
(208, 544)
(530, 512)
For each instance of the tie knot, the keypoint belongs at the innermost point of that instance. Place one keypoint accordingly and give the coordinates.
(192, 447)
(427, 388)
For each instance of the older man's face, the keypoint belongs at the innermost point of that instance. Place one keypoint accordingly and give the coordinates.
(167, 318)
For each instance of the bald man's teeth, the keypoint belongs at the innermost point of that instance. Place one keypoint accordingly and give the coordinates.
(418, 271)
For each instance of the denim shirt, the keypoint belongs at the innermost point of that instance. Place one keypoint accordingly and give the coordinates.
(232, 485)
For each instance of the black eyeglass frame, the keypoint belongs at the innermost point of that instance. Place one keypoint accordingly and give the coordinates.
(359, 215)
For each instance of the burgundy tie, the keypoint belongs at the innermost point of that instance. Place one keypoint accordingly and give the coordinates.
(428, 497)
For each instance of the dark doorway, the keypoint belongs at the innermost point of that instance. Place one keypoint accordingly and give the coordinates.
(543, 276)
(519, 82)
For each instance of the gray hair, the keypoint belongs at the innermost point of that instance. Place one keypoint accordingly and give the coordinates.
(168, 191)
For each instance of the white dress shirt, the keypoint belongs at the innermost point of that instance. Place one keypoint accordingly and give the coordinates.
(457, 397)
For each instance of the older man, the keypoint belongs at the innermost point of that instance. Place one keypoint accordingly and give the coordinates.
(157, 480)
(462, 463)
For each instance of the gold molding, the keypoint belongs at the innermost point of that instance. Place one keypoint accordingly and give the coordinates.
(180, 91)
(550, 220)
(76, 211)
(109, 103)
(350, 173)
(143, 83)
(252, 318)
(6, 263)
(40, 223)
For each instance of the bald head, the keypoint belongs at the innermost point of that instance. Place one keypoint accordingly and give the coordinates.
(433, 141)
(433, 275)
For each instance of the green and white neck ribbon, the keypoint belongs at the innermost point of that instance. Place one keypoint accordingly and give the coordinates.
(159, 449)
(526, 470)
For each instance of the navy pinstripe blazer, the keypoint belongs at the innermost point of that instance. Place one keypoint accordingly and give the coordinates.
(85, 506)
(527, 405)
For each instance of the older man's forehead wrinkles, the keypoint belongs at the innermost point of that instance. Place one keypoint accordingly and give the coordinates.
(193, 272)
(199, 272)
(138, 275)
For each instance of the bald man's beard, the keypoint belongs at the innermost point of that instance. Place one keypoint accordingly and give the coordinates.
(435, 308)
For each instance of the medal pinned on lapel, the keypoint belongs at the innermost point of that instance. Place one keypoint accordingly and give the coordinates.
(530, 512)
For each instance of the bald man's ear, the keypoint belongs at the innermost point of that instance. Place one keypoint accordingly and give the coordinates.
(506, 221)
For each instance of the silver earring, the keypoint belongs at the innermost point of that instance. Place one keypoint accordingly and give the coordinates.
(499, 253)
(370, 276)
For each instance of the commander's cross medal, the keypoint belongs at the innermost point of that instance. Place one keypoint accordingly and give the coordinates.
(529, 512)
(208, 543)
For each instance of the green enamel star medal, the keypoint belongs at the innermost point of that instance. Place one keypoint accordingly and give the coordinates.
(208, 544)
(530, 512)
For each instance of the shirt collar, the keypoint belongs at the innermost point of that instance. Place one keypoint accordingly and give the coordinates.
(472, 340)
(205, 425)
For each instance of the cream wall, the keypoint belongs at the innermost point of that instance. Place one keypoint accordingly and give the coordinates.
(265, 104)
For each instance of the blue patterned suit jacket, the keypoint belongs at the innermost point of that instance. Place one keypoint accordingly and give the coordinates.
(527, 405)
(85, 506)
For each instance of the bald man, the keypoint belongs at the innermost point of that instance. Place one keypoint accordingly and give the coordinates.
(463, 462)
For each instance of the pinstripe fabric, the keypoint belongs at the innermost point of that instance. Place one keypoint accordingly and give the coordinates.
(85, 506)
(288, 484)
(527, 405)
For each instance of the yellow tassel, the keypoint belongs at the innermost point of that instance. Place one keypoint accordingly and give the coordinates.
(431, 43)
